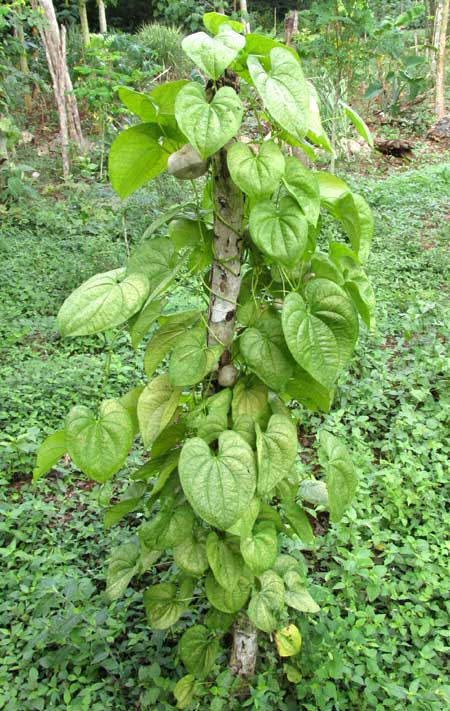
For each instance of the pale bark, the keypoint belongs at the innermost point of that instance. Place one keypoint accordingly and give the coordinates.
(84, 23)
(440, 67)
(245, 649)
(23, 63)
(54, 41)
(244, 17)
(226, 266)
(290, 27)
(102, 17)
(437, 24)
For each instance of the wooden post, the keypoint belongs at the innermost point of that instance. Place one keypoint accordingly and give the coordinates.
(23, 63)
(290, 27)
(440, 66)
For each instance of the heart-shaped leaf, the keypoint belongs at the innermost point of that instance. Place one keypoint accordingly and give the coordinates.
(298, 521)
(342, 479)
(190, 555)
(280, 231)
(104, 301)
(140, 324)
(159, 261)
(99, 444)
(227, 600)
(208, 126)
(250, 397)
(213, 55)
(191, 359)
(164, 604)
(283, 89)
(302, 185)
(276, 452)
(260, 548)
(224, 562)
(136, 156)
(219, 486)
(171, 330)
(307, 391)
(213, 21)
(156, 407)
(321, 329)
(300, 599)
(256, 174)
(244, 525)
(123, 565)
(288, 641)
(266, 603)
(199, 650)
(185, 690)
(50, 452)
(264, 350)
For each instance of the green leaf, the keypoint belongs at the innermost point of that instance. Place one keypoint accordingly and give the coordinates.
(130, 501)
(298, 520)
(300, 599)
(331, 187)
(190, 555)
(185, 690)
(256, 174)
(316, 132)
(314, 491)
(103, 302)
(192, 360)
(266, 603)
(213, 21)
(356, 218)
(244, 525)
(250, 397)
(219, 486)
(164, 604)
(158, 260)
(129, 402)
(227, 600)
(180, 526)
(123, 565)
(213, 54)
(321, 329)
(358, 123)
(156, 407)
(302, 185)
(283, 90)
(308, 392)
(138, 103)
(99, 445)
(342, 479)
(140, 324)
(49, 453)
(218, 621)
(199, 650)
(224, 562)
(168, 439)
(288, 641)
(264, 350)
(280, 231)
(172, 328)
(186, 233)
(260, 548)
(163, 97)
(136, 156)
(276, 452)
(208, 126)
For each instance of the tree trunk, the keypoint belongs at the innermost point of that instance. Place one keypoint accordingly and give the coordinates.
(437, 24)
(84, 23)
(54, 41)
(24, 68)
(440, 67)
(102, 17)
(245, 649)
(290, 27)
(244, 17)
(226, 265)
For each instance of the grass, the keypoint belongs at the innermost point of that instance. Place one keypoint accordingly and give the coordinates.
(381, 640)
